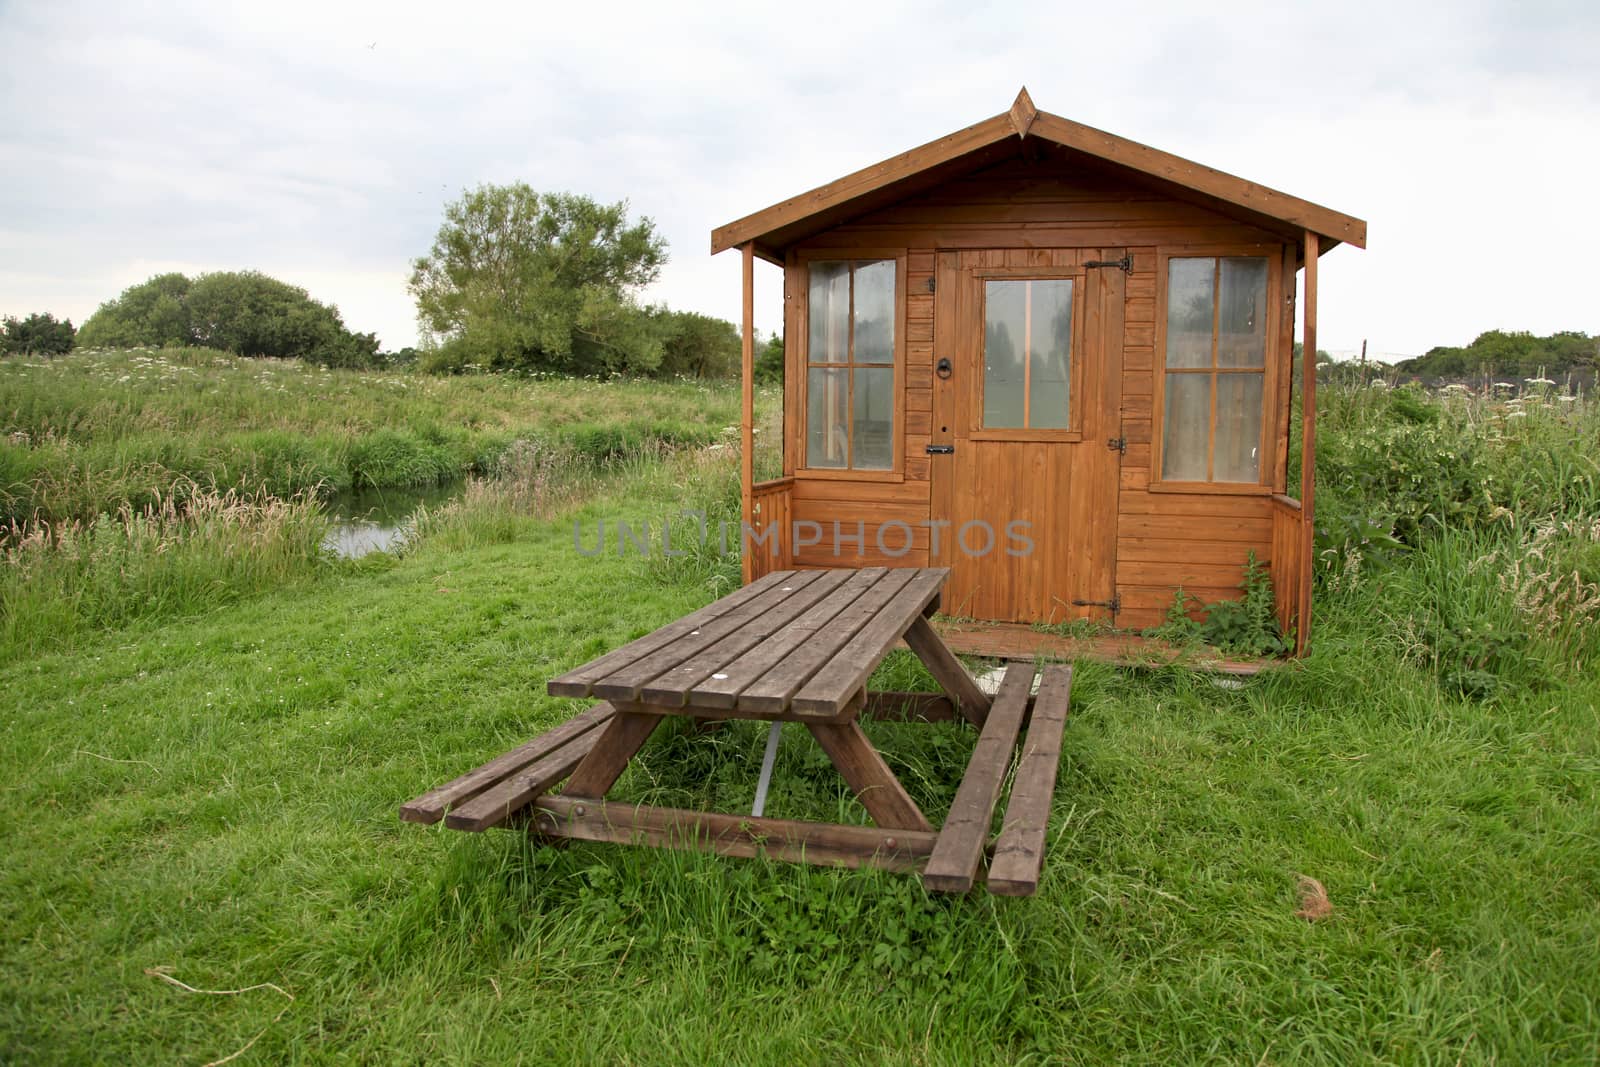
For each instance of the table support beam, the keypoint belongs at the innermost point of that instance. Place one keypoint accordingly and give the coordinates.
(624, 735)
(826, 844)
(874, 784)
(972, 702)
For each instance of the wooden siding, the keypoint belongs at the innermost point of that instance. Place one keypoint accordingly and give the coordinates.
(1287, 560)
(771, 515)
(1164, 539)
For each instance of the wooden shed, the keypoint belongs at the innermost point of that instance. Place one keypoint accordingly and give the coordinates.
(1054, 360)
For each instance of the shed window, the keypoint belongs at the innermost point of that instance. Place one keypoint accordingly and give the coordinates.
(1215, 369)
(850, 365)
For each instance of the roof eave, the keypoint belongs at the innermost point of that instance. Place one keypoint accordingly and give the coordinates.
(1024, 120)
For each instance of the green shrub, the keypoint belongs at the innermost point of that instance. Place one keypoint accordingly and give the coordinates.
(1245, 627)
(390, 457)
(37, 335)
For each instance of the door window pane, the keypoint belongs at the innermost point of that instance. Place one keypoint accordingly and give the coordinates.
(829, 310)
(827, 405)
(873, 438)
(1050, 354)
(874, 314)
(1027, 353)
(1236, 457)
(1242, 313)
(1190, 308)
(1004, 340)
(1188, 418)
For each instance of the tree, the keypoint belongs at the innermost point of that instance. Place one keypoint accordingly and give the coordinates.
(244, 312)
(699, 346)
(150, 313)
(1512, 353)
(40, 334)
(540, 281)
(769, 361)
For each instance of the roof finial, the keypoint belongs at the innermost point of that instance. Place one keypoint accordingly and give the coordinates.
(1023, 112)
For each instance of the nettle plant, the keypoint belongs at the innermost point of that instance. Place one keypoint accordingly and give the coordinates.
(1247, 626)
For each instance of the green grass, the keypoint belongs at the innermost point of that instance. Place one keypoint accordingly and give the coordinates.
(248, 834)
(90, 432)
(207, 787)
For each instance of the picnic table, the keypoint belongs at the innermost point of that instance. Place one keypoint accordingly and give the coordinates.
(793, 646)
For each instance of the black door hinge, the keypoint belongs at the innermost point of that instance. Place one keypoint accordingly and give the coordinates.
(1114, 605)
(1125, 263)
(930, 283)
(1117, 444)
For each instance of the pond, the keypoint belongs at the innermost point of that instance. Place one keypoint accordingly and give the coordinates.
(375, 520)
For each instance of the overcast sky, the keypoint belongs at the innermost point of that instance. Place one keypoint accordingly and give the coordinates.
(319, 142)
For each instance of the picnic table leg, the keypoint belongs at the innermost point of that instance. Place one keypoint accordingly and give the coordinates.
(624, 735)
(874, 784)
(972, 702)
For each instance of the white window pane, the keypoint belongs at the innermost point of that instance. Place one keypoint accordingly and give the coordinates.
(1237, 451)
(875, 312)
(1004, 340)
(827, 407)
(1189, 311)
(1049, 353)
(829, 312)
(1242, 313)
(1188, 417)
(874, 418)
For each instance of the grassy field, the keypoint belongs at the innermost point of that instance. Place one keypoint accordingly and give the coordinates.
(90, 432)
(210, 795)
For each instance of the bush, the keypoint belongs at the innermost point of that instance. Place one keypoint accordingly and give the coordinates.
(243, 312)
(37, 335)
(391, 457)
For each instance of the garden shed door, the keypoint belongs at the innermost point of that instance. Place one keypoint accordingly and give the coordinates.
(1024, 456)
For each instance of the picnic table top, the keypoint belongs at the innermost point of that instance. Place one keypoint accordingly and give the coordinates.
(790, 645)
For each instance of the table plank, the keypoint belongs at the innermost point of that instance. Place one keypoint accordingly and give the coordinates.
(851, 662)
(499, 802)
(954, 864)
(626, 682)
(722, 688)
(1019, 850)
(431, 806)
(576, 682)
(671, 688)
(775, 689)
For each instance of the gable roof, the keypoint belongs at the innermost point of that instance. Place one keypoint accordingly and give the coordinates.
(775, 228)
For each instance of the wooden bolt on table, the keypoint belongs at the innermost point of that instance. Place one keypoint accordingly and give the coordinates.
(793, 646)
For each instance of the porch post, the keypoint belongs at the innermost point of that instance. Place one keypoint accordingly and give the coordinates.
(1308, 446)
(747, 416)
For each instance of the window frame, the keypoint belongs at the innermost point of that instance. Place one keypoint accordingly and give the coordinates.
(1073, 431)
(802, 301)
(1271, 371)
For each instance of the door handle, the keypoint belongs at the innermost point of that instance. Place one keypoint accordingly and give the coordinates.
(943, 368)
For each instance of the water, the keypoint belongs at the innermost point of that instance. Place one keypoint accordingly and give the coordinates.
(374, 520)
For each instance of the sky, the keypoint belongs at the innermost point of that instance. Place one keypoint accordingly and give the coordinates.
(319, 142)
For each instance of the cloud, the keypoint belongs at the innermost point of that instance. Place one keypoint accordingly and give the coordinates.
(319, 142)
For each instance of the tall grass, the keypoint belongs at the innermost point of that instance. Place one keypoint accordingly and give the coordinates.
(1464, 526)
(178, 556)
(93, 431)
